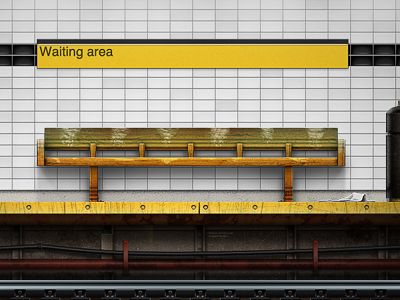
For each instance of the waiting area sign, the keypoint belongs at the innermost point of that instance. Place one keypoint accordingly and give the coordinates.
(224, 54)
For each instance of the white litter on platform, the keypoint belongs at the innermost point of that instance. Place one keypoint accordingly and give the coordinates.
(353, 197)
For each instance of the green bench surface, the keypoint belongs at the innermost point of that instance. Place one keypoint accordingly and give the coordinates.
(179, 138)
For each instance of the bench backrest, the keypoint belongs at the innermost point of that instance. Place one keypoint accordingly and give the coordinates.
(201, 138)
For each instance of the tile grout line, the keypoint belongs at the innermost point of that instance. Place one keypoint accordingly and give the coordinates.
(373, 95)
(125, 87)
(12, 101)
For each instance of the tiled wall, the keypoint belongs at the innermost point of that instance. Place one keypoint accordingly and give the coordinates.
(354, 100)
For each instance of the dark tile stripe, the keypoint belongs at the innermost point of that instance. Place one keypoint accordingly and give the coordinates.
(359, 54)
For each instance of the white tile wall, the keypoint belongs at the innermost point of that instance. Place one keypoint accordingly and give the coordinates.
(353, 100)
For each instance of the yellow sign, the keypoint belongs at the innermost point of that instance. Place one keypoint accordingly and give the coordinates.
(224, 56)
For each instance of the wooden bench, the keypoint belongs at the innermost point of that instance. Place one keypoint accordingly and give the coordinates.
(191, 139)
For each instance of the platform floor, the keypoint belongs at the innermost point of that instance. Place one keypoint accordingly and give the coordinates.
(324, 208)
(200, 213)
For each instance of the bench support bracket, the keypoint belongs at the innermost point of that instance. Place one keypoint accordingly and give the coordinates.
(288, 177)
(341, 153)
(93, 178)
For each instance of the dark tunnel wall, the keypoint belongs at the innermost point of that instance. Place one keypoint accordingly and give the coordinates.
(198, 238)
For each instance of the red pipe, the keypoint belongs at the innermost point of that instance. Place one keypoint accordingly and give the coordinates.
(199, 264)
(315, 256)
(125, 256)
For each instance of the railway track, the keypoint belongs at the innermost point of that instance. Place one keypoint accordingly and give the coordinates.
(200, 290)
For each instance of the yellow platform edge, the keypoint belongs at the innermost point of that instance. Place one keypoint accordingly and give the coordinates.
(202, 208)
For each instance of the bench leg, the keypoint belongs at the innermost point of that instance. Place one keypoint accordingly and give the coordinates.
(288, 184)
(288, 177)
(93, 178)
(94, 189)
